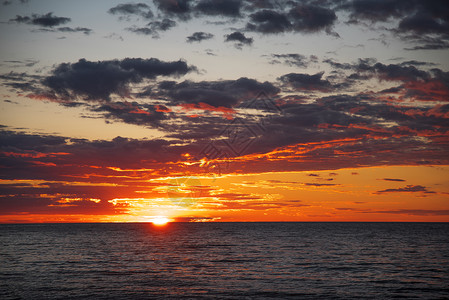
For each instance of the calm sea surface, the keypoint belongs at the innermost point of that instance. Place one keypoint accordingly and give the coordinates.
(225, 261)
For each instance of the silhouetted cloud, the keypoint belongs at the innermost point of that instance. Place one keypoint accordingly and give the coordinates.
(408, 189)
(268, 22)
(392, 179)
(309, 18)
(47, 20)
(153, 28)
(225, 93)
(229, 8)
(306, 82)
(98, 80)
(84, 30)
(239, 38)
(178, 8)
(293, 59)
(418, 20)
(199, 36)
(129, 9)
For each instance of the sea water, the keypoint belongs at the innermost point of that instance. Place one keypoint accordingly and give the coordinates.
(225, 261)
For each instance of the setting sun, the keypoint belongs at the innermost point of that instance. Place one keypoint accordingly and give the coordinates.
(160, 221)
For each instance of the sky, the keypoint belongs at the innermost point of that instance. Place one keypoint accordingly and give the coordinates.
(238, 110)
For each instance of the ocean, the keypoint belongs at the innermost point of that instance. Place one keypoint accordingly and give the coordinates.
(225, 261)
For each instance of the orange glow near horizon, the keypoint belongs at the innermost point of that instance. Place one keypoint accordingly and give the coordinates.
(372, 194)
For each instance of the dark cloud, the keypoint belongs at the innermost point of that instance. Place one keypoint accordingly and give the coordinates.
(228, 8)
(22, 63)
(392, 179)
(268, 22)
(320, 184)
(129, 9)
(98, 80)
(424, 23)
(293, 59)
(199, 36)
(132, 113)
(84, 30)
(225, 93)
(377, 10)
(153, 28)
(240, 38)
(408, 189)
(306, 82)
(178, 8)
(309, 18)
(305, 18)
(47, 20)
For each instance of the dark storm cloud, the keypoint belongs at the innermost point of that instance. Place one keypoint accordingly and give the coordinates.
(228, 8)
(98, 80)
(47, 20)
(239, 38)
(306, 82)
(199, 36)
(225, 93)
(129, 9)
(153, 28)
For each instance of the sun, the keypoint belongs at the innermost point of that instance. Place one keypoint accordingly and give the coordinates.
(159, 221)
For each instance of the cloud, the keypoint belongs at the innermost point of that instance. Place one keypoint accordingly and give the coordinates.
(423, 23)
(98, 80)
(309, 18)
(392, 179)
(293, 59)
(306, 82)
(408, 189)
(377, 11)
(320, 184)
(199, 36)
(225, 93)
(240, 38)
(132, 112)
(228, 8)
(47, 20)
(84, 30)
(22, 63)
(153, 28)
(178, 8)
(268, 22)
(129, 9)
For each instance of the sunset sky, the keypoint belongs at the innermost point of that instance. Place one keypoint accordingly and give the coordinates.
(238, 110)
